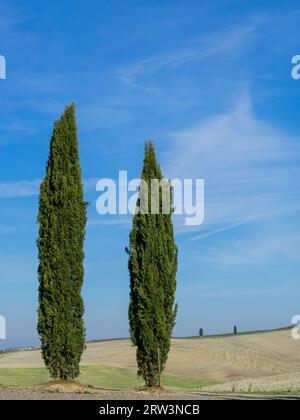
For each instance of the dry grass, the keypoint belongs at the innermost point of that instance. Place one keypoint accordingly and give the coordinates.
(265, 361)
(278, 384)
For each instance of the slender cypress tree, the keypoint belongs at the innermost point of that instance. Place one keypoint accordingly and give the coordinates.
(62, 220)
(152, 266)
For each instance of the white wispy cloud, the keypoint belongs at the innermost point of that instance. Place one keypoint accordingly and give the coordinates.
(30, 188)
(15, 189)
(214, 291)
(268, 246)
(251, 168)
(12, 229)
(217, 44)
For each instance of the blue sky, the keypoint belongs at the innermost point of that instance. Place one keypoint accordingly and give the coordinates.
(210, 82)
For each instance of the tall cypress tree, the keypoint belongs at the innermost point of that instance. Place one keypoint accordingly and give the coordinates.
(62, 220)
(152, 267)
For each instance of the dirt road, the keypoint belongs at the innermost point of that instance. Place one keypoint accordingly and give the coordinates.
(32, 394)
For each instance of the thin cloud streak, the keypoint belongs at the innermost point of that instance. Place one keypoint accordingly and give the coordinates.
(229, 41)
(251, 169)
(240, 292)
(30, 188)
(18, 189)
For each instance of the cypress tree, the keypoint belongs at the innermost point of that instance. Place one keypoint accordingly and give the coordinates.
(62, 220)
(152, 265)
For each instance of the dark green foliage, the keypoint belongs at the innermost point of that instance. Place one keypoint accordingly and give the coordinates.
(62, 220)
(201, 333)
(235, 331)
(152, 266)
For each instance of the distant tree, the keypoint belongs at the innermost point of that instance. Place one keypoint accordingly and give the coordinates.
(62, 220)
(201, 333)
(235, 331)
(152, 267)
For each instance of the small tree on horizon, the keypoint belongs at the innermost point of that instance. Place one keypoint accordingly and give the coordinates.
(152, 265)
(201, 332)
(62, 220)
(235, 331)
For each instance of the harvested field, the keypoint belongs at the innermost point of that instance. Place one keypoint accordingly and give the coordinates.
(257, 362)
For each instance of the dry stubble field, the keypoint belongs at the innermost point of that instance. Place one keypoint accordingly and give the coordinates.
(253, 363)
